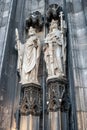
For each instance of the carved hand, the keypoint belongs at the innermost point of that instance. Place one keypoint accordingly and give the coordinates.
(45, 47)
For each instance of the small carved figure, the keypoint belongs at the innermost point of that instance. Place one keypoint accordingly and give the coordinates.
(53, 51)
(30, 58)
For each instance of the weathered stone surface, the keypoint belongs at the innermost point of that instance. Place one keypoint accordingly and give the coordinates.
(77, 53)
(4, 13)
(82, 117)
(77, 44)
(31, 102)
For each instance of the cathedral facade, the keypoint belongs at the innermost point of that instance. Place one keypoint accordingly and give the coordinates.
(43, 65)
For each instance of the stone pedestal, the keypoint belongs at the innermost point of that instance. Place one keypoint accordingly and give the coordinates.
(30, 107)
(54, 121)
(29, 122)
(56, 90)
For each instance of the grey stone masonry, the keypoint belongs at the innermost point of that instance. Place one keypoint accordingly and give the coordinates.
(77, 54)
(5, 92)
(5, 13)
(76, 13)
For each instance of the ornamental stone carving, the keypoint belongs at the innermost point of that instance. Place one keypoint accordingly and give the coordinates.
(53, 12)
(35, 20)
(56, 91)
(31, 101)
(66, 104)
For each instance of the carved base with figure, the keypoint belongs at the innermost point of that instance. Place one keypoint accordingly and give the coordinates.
(55, 59)
(27, 67)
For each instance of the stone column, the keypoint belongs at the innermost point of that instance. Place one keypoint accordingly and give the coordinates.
(30, 107)
(56, 90)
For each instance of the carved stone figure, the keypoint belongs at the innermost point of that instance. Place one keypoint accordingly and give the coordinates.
(54, 51)
(30, 58)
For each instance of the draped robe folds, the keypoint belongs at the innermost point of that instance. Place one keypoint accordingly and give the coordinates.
(31, 60)
(53, 53)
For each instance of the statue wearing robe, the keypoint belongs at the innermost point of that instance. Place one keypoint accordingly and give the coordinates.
(31, 58)
(29, 62)
(53, 51)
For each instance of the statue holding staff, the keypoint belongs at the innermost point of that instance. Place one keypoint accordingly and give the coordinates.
(53, 51)
(30, 58)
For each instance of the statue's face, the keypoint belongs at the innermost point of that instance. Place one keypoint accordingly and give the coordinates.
(53, 25)
(31, 31)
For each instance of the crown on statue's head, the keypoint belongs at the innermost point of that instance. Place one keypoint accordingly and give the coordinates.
(53, 21)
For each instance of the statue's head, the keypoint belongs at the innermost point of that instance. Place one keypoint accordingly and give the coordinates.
(31, 31)
(53, 25)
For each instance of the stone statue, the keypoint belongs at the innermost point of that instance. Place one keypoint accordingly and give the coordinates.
(54, 51)
(29, 62)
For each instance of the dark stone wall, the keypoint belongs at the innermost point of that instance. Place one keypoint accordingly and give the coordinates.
(8, 70)
(77, 26)
(9, 87)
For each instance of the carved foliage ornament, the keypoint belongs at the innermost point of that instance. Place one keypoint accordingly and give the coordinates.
(35, 20)
(53, 12)
(56, 90)
(31, 101)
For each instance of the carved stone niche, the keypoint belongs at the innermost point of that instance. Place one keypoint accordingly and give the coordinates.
(53, 12)
(56, 91)
(31, 101)
(35, 20)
